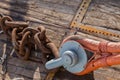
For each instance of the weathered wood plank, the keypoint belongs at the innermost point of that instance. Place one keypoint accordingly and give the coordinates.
(56, 15)
(104, 13)
(43, 4)
(107, 73)
(26, 69)
(67, 2)
(47, 18)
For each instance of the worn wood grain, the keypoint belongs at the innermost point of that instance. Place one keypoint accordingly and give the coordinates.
(56, 16)
(104, 13)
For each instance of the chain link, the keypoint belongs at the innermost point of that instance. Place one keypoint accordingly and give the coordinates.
(25, 39)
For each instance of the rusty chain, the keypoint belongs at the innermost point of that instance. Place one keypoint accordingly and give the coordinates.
(25, 39)
(7, 25)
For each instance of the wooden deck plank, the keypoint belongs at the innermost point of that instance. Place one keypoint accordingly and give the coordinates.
(43, 4)
(106, 14)
(56, 15)
(25, 69)
(39, 16)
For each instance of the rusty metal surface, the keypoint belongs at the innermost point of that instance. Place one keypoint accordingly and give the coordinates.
(26, 40)
(94, 31)
(81, 11)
